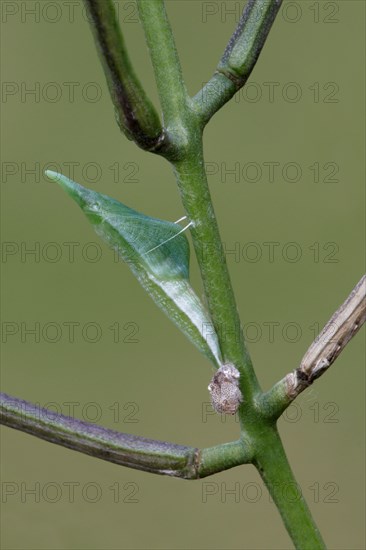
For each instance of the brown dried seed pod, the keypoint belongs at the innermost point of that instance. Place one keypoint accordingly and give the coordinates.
(224, 389)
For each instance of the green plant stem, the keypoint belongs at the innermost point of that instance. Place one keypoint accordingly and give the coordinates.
(158, 457)
(136, 115)
(168, 73)
(224, 456)
(195, 194)
(272, 464)
(183, 123)
(239, 58)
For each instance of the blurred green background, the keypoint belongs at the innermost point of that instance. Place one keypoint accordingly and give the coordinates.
(126, 366)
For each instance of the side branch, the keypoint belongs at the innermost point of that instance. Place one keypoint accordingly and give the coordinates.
(135, 113)
(322, 353)
(239, 57)
(158, 457)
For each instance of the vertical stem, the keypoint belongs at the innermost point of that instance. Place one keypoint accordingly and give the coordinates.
(184, 125)
(192, 182)
(272, 464)
(165, 60)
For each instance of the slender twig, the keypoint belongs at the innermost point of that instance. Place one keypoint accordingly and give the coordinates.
(158, 457)
(136, 115)
(168, 71)
(339, 330)
(239, 58)
(168, 74)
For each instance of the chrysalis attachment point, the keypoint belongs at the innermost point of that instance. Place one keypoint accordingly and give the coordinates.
(224, 389)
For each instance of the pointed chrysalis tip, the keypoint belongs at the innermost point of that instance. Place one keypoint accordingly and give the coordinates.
(70, 186)
(64, 181)
(53, 175)
(76, 191)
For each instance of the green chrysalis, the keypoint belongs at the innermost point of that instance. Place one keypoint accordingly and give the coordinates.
(157, 252)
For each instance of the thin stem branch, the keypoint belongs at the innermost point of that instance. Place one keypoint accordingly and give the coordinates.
(168, 73)
(158, 457)
(195, 194)
(136, 115)
(339, 330)
(239, 58)
(272, 464)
